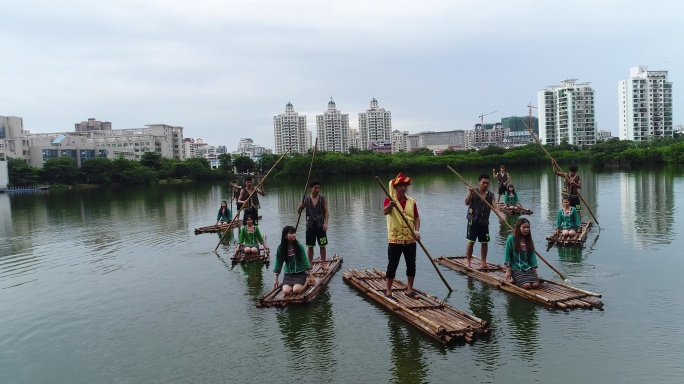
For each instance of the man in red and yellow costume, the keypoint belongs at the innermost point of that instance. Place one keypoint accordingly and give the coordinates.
(400, 238)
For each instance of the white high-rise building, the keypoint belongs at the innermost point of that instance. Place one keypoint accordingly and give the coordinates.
(332, 129)
(374, 124)
(645, 105)
(566, 112)
(399, 141)
(289, 131)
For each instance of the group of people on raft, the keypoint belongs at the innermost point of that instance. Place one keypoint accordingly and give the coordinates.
(403, 232)
(520, 260)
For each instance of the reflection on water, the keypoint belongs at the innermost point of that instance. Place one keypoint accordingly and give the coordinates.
(504, 230)
(115, 282)
(481, 305)
(524, 326)
(254, 272)
(408, 362)
(648, 206)
(311, 329)
(570, 254)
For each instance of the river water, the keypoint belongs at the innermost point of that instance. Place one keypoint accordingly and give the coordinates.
(112, 286)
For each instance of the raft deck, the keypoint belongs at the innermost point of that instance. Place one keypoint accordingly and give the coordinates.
(427, 313)
(263, 256)
(577, 240)
(514, 210)
(217, 227)
(550, 293)
(276, 298)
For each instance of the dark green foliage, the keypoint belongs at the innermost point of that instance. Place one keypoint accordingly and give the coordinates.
(244, 164)
(62, 170)
(151, 160)
(22, 174)
(96, 171)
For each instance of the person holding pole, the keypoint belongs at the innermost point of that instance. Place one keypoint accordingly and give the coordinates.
(572, 182)
(251, 204)
(503, 178)
(399, 237)
(316, 222)
(478, 219)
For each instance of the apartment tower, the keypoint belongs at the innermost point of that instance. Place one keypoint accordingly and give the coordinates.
(645, 105)
(289, 131)
(566, 112)
(332, 129)
(374, 124)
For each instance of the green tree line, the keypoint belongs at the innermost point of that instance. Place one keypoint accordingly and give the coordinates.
(152, 167)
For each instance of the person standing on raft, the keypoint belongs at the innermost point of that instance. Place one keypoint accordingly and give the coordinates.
(503, 178)
(478, 219)
(399, 237)
(316, 222)
(520, 259)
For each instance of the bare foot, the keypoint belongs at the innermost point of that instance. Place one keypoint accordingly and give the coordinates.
(324, 266)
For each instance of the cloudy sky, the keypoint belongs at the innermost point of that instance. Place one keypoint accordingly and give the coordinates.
(222, 69)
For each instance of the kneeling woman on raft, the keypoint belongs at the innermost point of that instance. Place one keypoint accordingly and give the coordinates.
(520, 259)
(292, 255)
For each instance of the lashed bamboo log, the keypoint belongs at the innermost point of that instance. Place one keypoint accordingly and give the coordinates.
(551, 293)
(270, 298)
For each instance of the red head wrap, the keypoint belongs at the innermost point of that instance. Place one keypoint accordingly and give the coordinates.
(401, 179)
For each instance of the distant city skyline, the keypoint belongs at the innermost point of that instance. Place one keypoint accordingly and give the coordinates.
(223, 70)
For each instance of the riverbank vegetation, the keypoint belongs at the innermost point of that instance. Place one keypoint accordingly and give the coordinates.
(152, 167)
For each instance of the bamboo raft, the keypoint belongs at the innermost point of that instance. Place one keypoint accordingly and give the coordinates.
(276, 298)
(431, 315)
(550, 293)
(217, 227)
(579, 238)
(263, 256)
(514, 210)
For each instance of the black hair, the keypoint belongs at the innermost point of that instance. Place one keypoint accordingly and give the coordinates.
(573, 168)
(483, 176)
(519, 238)
(248, 178)
(283, 242)
(314, 183)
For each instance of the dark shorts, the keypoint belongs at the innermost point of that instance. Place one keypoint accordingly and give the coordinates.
(502, 189)
(394, 252)
(575, 202)
(477, 231)
(314, 234)
(294, 278)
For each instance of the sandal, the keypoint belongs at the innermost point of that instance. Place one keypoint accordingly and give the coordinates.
(389, 296)
(413, 295)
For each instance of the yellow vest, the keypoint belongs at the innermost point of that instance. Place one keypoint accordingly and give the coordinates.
(397, 231)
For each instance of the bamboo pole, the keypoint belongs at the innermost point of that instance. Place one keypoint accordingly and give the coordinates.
(261, 182)
(313, 155)
(509, 226)
(396, 206)
(556, 166)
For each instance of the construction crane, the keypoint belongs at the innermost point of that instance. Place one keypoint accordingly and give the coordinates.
(530, 106)
(483, 115)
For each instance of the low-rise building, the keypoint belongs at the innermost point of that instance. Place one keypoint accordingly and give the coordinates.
(17, 142)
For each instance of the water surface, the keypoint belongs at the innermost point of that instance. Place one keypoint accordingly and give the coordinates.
(113, 286)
